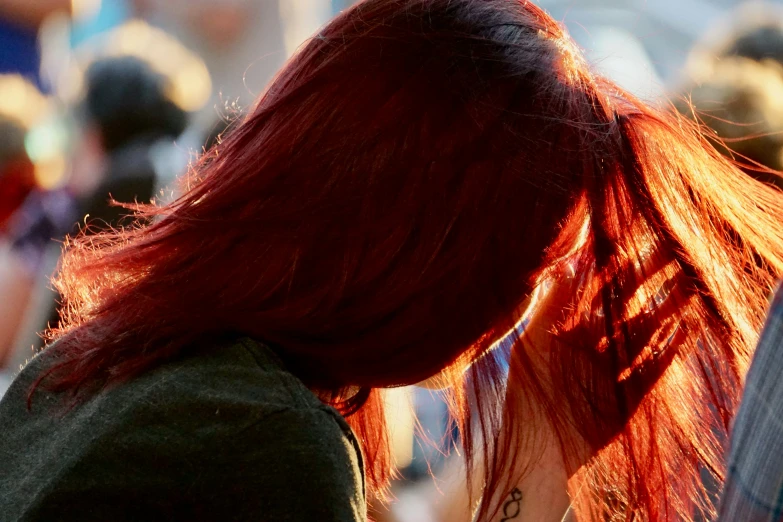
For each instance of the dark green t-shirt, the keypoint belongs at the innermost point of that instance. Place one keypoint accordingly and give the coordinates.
(227, 435)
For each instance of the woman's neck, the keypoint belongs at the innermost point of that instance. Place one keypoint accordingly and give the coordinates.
(540, 496)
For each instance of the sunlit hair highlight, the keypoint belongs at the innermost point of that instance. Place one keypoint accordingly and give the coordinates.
(400, 190)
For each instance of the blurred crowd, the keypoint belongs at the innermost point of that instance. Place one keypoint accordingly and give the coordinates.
(104, 102)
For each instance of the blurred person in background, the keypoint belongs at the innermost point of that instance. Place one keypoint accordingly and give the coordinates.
(754, 31)
(17, 171)
(17, 180)
(734, 88)
(741, 107)
(125, 119)
(186, 78)
(20, 21)
(241, 42)
(421, 177)
(22, 108)
(126, 116)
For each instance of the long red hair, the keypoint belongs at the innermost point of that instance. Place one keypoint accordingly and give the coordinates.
(395, 196)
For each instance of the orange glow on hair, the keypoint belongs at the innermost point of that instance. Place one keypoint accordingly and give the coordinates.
(394, 198)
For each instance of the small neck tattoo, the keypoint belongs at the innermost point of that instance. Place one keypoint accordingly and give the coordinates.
(513, 506)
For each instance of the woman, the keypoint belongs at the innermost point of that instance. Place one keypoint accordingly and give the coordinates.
(382, 216)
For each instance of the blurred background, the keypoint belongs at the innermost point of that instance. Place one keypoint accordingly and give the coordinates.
(114, 98)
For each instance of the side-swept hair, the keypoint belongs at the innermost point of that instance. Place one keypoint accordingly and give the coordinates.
(391, 201)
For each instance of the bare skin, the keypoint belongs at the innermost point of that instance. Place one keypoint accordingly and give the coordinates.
(542, 493)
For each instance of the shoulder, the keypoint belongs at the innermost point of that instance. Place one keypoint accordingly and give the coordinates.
(243, 376)
(203, 398)
(307, 446)
(228, 431)
(768, 357)
(235, 435)
(756, 453)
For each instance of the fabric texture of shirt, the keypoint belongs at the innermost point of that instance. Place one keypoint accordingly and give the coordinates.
(226, 435)
(754, 484)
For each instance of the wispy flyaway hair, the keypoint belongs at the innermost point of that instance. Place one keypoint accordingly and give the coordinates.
(394, 197)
